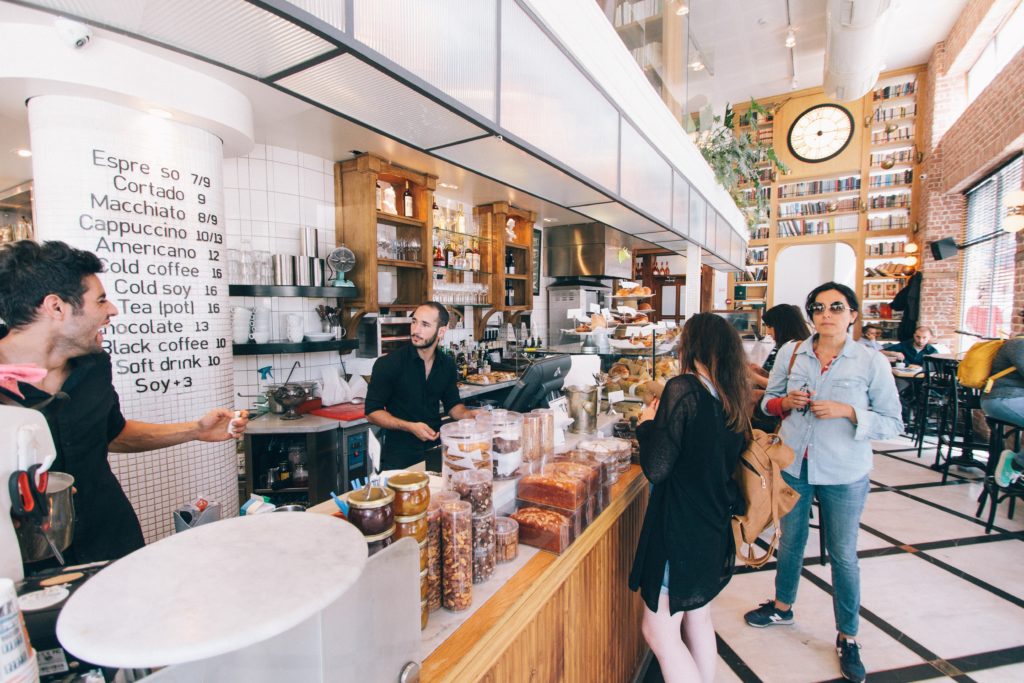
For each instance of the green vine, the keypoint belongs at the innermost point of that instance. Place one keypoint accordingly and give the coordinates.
(735, 158)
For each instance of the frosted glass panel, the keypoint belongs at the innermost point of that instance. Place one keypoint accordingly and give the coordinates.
(698, 208)
(331, 11)
(623, 218)
(710, 229)
(450, 44)
(724, 240)
(681, 205)
(646, 178)
(547, 101)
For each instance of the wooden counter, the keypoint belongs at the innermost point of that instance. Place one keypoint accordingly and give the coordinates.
(568, 617)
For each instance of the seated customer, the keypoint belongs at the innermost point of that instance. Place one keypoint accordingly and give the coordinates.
(912, 351)
(869, 337)
(1006, 402)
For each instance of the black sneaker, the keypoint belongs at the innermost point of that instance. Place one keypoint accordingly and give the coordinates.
(849, 660)
(767, 615)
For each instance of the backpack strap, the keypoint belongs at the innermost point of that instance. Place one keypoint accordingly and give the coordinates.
(991, 380)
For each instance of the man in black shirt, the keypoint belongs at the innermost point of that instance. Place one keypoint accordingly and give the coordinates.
(54, 309)
(407, 388)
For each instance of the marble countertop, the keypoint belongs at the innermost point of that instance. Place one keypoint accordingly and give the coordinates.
(469, 390)
(273, 424)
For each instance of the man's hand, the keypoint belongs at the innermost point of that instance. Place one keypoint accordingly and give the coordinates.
(422, 431)
(895, 355)
(221, 424)
(830, 410)
(795, 400)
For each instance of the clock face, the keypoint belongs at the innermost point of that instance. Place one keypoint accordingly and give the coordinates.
(820, 133)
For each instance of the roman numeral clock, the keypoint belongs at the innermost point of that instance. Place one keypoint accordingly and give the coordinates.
(820, 133)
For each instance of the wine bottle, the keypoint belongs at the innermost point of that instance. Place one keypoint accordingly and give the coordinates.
(510, 262)
(437, 217)
(449, 253)
(407, 201)
(510, 295)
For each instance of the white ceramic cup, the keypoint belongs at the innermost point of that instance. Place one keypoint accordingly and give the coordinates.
(293, 328)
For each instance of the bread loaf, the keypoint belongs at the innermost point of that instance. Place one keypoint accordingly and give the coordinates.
(557, 490)
(545, 529)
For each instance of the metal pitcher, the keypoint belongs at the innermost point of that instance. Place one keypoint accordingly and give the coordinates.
(582, 408)
(62, 521)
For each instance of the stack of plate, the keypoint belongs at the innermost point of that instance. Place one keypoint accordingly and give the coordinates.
(241, 324)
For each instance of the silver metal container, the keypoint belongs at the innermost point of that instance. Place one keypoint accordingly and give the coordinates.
(304, 271)
(309, 243)
(284, 269)
(582, 408)
(317, 264)
(62, 521)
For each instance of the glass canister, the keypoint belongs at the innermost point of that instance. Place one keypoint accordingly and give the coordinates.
(547, 434)
(465, 446)
(378, 542)
(456, 555)
(483, 546)
(507, 443)
(370, 509)
(506, 539)
(424, 585)
(533, 457)
(411, 493)
(414, 526)
(475, 487)
(446, 496)
(596, 451)
(424, 556)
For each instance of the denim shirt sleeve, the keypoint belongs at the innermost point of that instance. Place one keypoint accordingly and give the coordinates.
(779, 375)
(882, 419)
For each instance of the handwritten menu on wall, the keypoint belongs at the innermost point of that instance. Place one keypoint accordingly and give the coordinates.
(145, 195)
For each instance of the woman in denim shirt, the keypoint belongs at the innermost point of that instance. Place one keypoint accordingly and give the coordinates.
(838, 396)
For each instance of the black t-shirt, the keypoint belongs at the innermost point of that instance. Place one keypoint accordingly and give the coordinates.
(83, 425)
(399, 385)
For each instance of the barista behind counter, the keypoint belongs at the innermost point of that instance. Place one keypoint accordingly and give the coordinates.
(407, 387)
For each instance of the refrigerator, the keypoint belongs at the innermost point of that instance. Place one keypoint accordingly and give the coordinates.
(563, 297)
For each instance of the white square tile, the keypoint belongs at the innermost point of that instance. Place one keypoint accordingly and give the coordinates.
(997, 563)
(258, 208)
(329, 188)
(909, 521)
(257, 174)
(964, 499)
(231, 204)
(285, 177)
(244, 206)
(286, 208)
(311, 183)
(329, 167)
(1012, 673)
(231, 173)
(242, 173)
(313, 163)
(260, 228)
(282, 154)
(258, 152)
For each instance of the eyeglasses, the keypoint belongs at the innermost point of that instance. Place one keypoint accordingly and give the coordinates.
(818, 307)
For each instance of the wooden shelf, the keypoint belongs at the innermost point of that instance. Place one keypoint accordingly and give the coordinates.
(793, 198)
(286, 290)
(516, 276)
(398, 263)
(888, 232)
(269, 348)
(404, 220)
(515, 245)
(462, 270)
(905, 142)
(886, 122)
(813, 216)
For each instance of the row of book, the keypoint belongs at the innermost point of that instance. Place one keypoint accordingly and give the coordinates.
(810, 187)
(889, 248)
(889, 113)
(889, 222)
(880, 137)
(819, 207)
(753, 275)
(889, 179)
(889, 201)
(901, 156)
(897, 90)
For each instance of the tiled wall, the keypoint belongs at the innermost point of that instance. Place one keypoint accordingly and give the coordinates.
(269, 196)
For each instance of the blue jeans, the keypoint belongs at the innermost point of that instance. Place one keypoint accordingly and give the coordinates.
(841, 507)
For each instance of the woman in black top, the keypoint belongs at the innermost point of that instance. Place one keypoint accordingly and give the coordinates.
(689, 451)
(784, 323)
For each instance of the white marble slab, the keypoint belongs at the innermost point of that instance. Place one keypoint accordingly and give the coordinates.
(269, 423)
(212, 590)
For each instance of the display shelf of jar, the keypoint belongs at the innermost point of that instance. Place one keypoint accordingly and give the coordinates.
(296, 291)
(277, 347)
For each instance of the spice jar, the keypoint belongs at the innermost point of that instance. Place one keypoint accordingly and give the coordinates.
(506, 539)
(370, 509)
(456, 555)
(411, 493)
(476, 487)
(464, 446)
(415, 527)
(378, 542)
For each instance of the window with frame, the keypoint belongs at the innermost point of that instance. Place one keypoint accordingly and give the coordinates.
(1005, 43)
(986, 299)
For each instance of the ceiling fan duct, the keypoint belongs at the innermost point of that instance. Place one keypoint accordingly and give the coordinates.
(855, 32)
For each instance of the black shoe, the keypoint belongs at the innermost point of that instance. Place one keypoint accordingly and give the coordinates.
(849, 660)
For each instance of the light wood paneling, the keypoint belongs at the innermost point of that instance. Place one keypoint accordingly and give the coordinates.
(560, 618)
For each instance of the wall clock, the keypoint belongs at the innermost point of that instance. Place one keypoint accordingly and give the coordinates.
(820, 133)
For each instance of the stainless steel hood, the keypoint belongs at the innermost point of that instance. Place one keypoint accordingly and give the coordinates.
(588, 249)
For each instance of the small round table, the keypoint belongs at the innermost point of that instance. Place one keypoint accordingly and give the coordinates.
(212, 590)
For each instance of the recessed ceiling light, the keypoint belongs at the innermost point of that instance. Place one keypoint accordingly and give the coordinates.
(448, 186)
(549, 220)
(23, 153)
(683, 9)
(161, 113)
(696, 65)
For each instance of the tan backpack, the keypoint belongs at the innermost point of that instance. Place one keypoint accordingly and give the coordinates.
(769, 498)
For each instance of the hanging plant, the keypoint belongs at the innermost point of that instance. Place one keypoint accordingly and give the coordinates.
(735, 159)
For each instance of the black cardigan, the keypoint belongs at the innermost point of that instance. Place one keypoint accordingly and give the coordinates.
(689, 454)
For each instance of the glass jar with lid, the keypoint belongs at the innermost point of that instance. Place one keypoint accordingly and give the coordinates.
(506, 539)
(370, 509)
(411, 492)
(464, 446)
(547, 434)
(506, 428)
(378, 542)
(476, 487)
(456, 555)
(414, 526)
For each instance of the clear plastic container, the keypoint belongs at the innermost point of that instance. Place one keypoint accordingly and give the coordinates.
(411, 493)
(533, 448)
(506, 539)
(507, 442)
(484, 561)
(424, 585)
(434, 553)
(476, 487)
(547, 434)
(465, 446)
(558, 490)
(456, 555)
(611, 452)
(483, 546)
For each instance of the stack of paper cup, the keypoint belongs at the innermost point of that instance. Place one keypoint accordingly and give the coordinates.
(18, 662)
(261, 325)
(241, 324)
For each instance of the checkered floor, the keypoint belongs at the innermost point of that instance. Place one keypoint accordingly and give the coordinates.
(940, 598)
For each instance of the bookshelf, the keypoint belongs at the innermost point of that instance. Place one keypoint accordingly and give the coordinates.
(865, 197)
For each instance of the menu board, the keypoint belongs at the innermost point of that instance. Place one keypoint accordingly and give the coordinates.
(145, 195)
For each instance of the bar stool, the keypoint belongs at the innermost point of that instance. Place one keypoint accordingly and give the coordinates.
(931, 399)
(991, 492)
(955, 429)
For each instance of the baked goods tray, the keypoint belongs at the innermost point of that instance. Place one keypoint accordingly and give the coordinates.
(633, 296)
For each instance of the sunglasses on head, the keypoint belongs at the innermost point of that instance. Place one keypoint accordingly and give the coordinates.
(818, 307)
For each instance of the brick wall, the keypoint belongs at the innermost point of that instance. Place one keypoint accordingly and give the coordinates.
(961, 43)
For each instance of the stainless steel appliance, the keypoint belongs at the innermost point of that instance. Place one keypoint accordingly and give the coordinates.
(380, 334)
(588, 250)
(567, 295)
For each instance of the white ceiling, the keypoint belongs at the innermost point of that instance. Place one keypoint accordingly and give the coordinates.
(743, 41)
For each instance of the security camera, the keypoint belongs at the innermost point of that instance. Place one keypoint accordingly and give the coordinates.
(74, 33)
(923, 176)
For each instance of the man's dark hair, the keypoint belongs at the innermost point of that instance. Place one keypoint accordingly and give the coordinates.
(442, 312)
(29, 272)
(871, 327)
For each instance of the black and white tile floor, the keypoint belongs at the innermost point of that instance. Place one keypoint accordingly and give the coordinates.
(940, 599)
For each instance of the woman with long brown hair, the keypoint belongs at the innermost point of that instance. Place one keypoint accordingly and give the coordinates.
(689, 451)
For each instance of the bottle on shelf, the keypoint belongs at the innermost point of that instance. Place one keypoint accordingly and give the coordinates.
(379, 197)
(474, 250)
(460, 254)
(437, 217)
(438, 254)
(510, 262)
(460, 220)
(407, 201)
(510, 294)
(449, 253)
